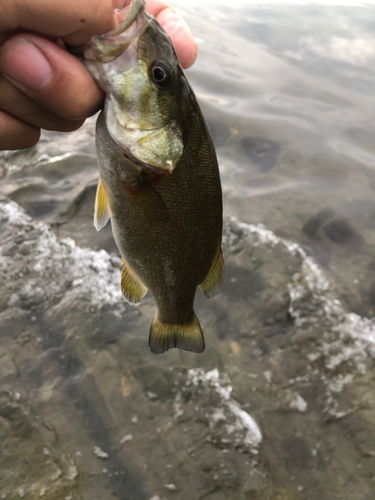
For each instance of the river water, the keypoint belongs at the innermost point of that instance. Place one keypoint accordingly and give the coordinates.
(281, 404)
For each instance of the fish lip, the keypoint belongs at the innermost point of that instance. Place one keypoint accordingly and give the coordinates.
(109, 46)
(136, 8)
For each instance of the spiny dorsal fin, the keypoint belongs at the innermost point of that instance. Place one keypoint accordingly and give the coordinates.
(164, 336)
(102, 213)
(214, 279)
(132, 287)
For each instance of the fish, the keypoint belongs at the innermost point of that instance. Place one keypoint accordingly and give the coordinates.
(159, 180)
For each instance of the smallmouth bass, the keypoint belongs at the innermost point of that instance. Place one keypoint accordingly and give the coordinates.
(159, 178)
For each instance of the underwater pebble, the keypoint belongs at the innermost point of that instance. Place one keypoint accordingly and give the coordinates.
(100, 453)
(262, 152)
(267, 375)
(171, 487)
(73, 473)
(129, 437)
(299, 403)
(56, 475)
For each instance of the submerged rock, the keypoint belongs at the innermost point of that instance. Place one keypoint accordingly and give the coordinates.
(276, 407)
(262, 152)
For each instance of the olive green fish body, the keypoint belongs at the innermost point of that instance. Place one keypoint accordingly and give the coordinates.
(166, 218)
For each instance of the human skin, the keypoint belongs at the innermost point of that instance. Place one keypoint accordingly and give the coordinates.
(42, 86)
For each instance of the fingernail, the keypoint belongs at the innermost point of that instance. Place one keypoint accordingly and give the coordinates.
(181, 36)
(24, 63)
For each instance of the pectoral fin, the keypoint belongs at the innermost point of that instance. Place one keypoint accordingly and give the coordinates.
(102, 213)
(132, 287)
(215, 275)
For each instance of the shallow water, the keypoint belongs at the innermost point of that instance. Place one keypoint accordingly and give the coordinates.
(281, 404)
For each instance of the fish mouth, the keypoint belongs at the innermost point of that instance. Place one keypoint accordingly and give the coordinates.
(105, 48)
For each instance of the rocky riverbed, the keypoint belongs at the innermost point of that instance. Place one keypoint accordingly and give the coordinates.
(279, 406)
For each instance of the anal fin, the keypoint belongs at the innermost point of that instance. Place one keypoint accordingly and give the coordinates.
(132, 287)
(102, 212)
(215, 276)
(164, 336)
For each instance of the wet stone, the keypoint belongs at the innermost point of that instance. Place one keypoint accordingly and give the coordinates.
(372, 295)
(312, 225)
(39, 465)
(240, 283)
(320, 252)
(297, 452)
(223, 326)
(220, 133)
(262, 152)
(361, 211)
(341, 232)
(263, 346)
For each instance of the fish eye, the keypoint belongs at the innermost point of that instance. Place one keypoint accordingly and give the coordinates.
(160, 74)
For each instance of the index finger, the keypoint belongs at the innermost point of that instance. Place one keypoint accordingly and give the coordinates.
(76, 21)
(176, 27)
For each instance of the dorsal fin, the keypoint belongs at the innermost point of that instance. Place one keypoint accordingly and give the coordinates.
(214, 279)
(102, 213)
(132, 287)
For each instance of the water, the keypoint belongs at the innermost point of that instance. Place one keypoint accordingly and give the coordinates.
(280, 405)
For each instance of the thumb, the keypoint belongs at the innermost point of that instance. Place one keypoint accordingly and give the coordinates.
(50, 76)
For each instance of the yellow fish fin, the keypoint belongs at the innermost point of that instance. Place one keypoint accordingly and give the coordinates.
(214, 279)
(132, 287)
(164, 336)
(102, 212)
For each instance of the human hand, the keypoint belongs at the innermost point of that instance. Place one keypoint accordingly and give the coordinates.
(42, 86)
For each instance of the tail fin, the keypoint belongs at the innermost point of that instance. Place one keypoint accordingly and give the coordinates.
(164, 336)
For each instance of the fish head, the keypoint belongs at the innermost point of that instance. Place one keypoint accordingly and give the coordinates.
(136, 65)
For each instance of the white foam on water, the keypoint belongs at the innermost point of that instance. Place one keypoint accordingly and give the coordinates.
(237, 422)
(348, 340)
(355, 336)
(91, 274)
